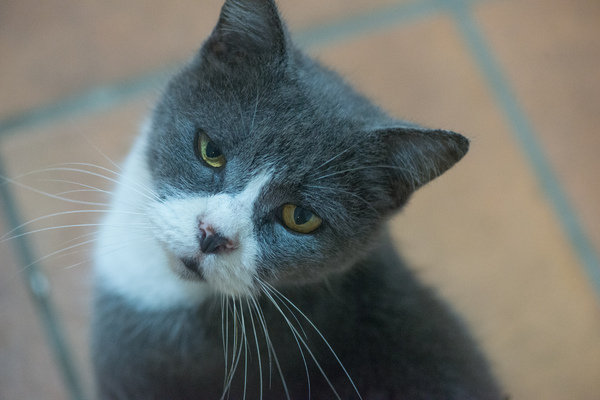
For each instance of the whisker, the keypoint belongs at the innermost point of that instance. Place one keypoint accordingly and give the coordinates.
(63, 167)
(237, 348)
(90, 187)
(245, 343)
(273, 353)
(225, 335)
(101, 152)
(118, 174)
(270, 288)
(261, 318)
(255, 110)
(333, 158)
(296, 336)
(7, 236)
(361, 168)
(260, 372)
(121, 246)
(47, 194)
(362, 199)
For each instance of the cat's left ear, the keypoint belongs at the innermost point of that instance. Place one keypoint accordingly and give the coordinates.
(248, 28)
(418, 156)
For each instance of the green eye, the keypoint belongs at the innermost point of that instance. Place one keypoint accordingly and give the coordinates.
(210, 153)
(299, 219)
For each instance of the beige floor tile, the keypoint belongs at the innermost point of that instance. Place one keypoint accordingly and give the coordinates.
(484, 234)
(550, 51)
(57, 48)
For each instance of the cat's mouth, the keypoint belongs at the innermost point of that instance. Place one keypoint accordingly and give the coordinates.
(193, 265)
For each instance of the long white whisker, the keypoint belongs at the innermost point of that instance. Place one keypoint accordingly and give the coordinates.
(121, 245)
(80, 184)
(149, 194)
(295, 334)
(349, 193)
(255, 111)
(61, 194)
(62, 167)
(245, 343)
(333, 158)
(361, 168)
(130, 182)
(53, 196)
(270, 288)
(260, 372)
(237, 348)
(261, 318)
(274, 354)
(7, 236)
(225, 335)
(101, 152)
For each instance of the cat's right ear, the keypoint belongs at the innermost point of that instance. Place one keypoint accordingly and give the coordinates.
(419, 155)
(247, 29)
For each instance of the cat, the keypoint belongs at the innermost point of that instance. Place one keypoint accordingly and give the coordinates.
(246, 255)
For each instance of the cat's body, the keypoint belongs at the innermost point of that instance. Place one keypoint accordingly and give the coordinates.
(245, 253)
(393, 347)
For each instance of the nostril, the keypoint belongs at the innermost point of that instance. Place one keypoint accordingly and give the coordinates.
(206, 229)
(214, 243)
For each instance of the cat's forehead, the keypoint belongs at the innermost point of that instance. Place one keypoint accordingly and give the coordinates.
(301, 96)
(301, 116)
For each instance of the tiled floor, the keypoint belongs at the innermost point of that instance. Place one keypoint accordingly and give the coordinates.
(510, 236)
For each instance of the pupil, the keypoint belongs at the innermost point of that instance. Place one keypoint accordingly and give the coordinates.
(302, 216)
(212, 151)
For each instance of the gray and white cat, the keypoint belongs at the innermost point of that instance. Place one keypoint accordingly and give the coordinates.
(245, 254)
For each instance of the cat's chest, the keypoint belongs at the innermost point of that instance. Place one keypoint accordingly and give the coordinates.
(248, 350)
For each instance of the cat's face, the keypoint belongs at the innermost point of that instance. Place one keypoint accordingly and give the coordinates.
(270, 168)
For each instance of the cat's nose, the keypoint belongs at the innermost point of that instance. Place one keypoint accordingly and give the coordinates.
(212, 242)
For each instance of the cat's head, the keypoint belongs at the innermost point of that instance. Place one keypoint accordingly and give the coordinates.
(272, 169)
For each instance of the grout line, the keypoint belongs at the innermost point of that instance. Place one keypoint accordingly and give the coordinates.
(38, 287)
(90, 100)
(526, 138)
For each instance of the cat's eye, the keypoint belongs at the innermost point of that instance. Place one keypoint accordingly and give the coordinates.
(209, 152)
(299, 219)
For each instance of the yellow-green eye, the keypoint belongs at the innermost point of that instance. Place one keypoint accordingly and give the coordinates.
(209, 151)
(299, 219)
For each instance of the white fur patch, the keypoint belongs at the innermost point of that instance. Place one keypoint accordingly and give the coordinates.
(142, 240)
(176, 227)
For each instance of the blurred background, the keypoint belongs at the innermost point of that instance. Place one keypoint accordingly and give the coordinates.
(510, 236)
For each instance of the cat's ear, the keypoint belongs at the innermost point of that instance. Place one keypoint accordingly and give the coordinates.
(418, 156)
(248, 28)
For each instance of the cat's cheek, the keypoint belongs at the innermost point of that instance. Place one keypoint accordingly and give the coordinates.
(174, 227)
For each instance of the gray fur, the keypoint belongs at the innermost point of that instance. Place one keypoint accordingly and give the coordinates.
(270, 107)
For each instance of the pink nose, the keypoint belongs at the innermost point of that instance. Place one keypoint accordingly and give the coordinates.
(211, 241)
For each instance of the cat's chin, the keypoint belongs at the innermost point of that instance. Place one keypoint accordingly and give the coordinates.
(187, 269)
(192, 265)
